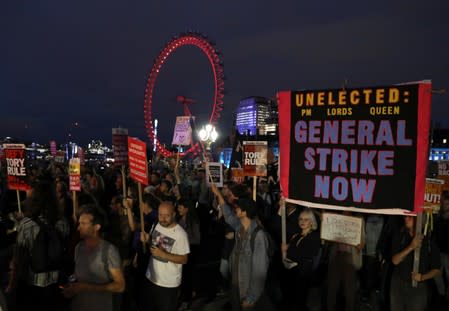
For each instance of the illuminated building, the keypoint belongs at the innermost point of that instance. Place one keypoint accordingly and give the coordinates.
(257, 115)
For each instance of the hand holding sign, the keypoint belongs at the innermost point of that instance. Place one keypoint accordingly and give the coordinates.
(342, 229)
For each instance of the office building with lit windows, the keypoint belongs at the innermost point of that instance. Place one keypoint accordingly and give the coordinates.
(257, 115)
(439, 145)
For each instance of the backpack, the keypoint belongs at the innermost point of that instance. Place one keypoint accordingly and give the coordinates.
(271, 244)
(47, 253)
(116, 297)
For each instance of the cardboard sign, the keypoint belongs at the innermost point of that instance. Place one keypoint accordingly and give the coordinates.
(137, 157)
(237, 175)
(255, 158)
(215, 171)
(60, 157)
(341, 228)
(356, 149)
(53, 148)
(183, 132)
(16, 166)
(75, 174)
(434, 189)
(120, 146)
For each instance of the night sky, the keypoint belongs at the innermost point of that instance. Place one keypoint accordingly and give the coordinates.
(63, 62)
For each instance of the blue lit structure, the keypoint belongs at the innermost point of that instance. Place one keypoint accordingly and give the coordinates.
(224, 157)
(439, 145)
(247, 116)
(438, 154)
(257, 115)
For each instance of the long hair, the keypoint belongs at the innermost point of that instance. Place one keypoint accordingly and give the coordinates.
(42, 201)
(191, 216)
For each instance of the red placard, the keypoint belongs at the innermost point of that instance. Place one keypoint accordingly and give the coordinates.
(16, 168)
(120, 145)
(53, 148)
(255, 158)
(137, 157)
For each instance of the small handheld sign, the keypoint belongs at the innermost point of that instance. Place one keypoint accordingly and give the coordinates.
(75, 182)
(182, 135)
(16, 169)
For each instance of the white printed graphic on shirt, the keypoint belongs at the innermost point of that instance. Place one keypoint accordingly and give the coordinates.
(165, 242)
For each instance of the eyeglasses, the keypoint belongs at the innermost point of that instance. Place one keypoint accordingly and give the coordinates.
(304, 219)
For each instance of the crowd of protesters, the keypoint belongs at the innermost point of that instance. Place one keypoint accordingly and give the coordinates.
(201, 242)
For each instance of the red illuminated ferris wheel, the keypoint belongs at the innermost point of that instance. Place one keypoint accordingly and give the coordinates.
(207, 47)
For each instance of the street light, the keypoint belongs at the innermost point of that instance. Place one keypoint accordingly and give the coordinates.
(208, 135)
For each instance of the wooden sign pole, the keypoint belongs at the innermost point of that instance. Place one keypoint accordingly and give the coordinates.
(142, 223)
(416, 255)
(123, 182)
(18, 201)
(254, 188)
(75, 204)
(283, 221)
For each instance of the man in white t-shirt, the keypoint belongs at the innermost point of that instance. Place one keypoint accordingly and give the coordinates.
(169, 248)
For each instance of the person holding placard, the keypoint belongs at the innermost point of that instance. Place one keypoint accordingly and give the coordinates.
(344, 261)
(36, 287)
(403, 296)
(441, 235)
(249, 260)
(188, 220)
(299, 255)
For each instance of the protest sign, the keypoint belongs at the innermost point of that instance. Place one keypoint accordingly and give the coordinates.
(16, 166)
(237, 175)
(75, 174)
(53, 148)
(120, 146)
(356, 149)
(182, 135)
(341, 228)
(60, 156)
(215, 171)
(137, 157)
(255, 158)
(432, 198)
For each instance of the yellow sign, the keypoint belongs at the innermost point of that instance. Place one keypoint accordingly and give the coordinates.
(434, 189)
(74, 166)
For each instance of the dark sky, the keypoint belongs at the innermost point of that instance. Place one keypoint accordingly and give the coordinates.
(63, 62)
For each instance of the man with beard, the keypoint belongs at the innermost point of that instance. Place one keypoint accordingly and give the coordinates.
(169, 247)
(97, 266)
